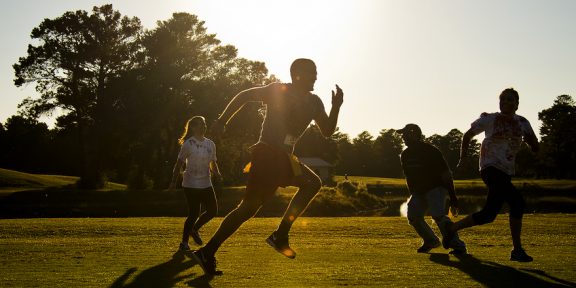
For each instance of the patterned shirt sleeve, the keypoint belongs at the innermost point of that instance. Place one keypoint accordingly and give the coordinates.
(214, 158)
(184, 151)
(526, 128)
(480, 124)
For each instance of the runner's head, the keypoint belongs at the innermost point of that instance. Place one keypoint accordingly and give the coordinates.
(195, 126)
(411, 134)
(509, 101)
(303, 73)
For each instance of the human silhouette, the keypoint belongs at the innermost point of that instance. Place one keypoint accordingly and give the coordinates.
(504, 133)
(290, 108)
(429, 180)
(198, 155)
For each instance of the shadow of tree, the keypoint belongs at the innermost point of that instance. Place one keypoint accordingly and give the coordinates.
(492, 274)
(166, 274)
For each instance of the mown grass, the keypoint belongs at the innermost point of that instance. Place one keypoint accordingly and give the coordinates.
(466, 184)
(356, 252)
(14, 181)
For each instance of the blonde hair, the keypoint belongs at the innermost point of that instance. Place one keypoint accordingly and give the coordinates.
(187, 131)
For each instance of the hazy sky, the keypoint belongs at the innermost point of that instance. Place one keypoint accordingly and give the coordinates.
(435, 63)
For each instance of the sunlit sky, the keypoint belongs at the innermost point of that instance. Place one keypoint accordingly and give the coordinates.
(435, 63)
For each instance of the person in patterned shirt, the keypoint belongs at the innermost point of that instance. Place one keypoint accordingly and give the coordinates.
(504, 133)
(198, 155)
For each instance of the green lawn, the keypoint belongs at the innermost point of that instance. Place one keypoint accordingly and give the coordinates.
(15, 181)
(467, 184)
(356, 252)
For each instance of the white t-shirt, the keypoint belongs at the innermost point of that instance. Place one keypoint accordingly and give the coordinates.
(198, 155)
(503, 137)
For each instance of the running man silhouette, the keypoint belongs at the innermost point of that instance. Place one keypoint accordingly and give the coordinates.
(504, 132)
(290, 108)
(198, 155)
(429, 180)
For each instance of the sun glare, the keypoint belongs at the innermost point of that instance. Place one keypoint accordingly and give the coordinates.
(277, 33)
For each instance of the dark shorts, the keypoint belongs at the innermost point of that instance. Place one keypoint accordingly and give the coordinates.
(500, 191)
(199, 195)
(270, 168)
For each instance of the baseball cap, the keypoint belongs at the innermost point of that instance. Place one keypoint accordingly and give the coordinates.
(411, 129)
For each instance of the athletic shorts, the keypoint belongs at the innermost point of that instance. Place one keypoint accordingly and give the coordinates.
(270, 168)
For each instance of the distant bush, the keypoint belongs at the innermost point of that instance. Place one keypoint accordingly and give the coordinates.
(350, 188)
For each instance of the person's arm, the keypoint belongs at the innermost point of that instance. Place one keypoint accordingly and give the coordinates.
(402, 163)
(464, 147)
(176, 173)
(215, 170)
(248, 95)
(446, 178)
(327, 123)
(448, 182)
(532, 141)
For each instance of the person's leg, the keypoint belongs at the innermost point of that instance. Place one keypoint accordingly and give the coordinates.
(211, 204)
(244, 211)
(437, 209)
(205, 256)
(494, 202)
(516, 231)
(417, 207)
(308, 186)
(193, 211)
(262, 183)
(516, 203)
(488, 214)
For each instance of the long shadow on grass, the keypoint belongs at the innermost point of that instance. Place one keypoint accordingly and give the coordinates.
(162, 275)
(492, 274)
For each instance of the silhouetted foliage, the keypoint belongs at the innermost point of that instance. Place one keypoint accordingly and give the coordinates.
(388, 146)
(365, 155)
(558, 134)
(314, 144)
(449, 145)
(125, 93)
(26, 145)
(77, 56)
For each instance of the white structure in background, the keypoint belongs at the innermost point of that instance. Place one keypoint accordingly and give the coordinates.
(319, 166)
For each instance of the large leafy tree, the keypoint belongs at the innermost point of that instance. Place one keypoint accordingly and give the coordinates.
(186, 72)
(558, 132)
(76, 56)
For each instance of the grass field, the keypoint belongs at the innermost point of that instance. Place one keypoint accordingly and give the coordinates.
(14, 181)
(468, 183)
(332, 252)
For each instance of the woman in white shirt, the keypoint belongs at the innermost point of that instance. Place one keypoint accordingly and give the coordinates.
(198, 155)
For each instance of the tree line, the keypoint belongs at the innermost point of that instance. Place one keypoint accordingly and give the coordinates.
(123, 94)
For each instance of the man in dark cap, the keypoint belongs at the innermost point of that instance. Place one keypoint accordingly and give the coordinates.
(429, 180)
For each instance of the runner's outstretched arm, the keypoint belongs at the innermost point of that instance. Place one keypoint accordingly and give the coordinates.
(327, 123)
(248, 95)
